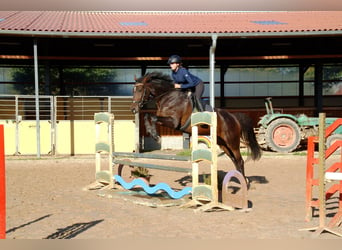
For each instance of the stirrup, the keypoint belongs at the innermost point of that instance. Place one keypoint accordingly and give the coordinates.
(208, 108)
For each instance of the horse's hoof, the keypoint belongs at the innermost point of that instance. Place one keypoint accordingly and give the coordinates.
(248, 183)
(158, 139)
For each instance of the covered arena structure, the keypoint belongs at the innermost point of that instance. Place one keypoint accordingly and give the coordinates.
(85, 62)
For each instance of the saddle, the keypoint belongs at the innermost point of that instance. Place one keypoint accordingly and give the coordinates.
(197, 106)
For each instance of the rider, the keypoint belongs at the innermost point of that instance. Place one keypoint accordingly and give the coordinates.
(183, 78)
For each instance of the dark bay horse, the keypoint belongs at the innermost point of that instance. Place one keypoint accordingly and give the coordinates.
(174, 108)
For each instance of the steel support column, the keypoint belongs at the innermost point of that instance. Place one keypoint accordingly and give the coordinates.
(36, 89)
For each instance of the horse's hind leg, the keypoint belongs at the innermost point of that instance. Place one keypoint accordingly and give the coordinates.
(150, 126)
(238, 162)
(237, 159)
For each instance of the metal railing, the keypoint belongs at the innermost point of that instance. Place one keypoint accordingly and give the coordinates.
(18, 108)
(22, 107)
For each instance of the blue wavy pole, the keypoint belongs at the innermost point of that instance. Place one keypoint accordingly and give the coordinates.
(151, 190)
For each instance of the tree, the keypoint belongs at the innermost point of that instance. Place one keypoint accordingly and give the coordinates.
(75, 81)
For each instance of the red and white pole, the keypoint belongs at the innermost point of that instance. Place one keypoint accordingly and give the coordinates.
(2, 185)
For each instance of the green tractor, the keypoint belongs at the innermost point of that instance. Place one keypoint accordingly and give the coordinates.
(283, 133)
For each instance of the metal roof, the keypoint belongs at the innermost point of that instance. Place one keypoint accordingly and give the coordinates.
(170, 24)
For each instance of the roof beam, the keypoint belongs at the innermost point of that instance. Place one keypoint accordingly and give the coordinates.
(217, 58)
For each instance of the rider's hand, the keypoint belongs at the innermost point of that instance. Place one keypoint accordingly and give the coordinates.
(177, 86)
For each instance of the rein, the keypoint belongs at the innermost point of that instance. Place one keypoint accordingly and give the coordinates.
(142, 101)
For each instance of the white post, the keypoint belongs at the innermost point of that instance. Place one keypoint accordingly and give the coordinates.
(36, 87)
(212, 71)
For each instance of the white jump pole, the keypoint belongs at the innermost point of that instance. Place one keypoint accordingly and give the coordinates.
(333, 176)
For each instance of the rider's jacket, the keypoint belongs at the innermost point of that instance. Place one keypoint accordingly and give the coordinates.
(185, 78)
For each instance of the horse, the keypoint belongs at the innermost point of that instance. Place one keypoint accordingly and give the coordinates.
(174, 109)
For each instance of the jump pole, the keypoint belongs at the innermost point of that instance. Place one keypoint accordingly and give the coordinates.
(2, 185)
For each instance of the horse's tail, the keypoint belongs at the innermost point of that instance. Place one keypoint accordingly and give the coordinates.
(248, 136)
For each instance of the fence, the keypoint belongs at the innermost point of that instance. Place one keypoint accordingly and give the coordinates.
(66, 123)
(19, 107)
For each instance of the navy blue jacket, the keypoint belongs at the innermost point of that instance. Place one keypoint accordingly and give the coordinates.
(185, 78)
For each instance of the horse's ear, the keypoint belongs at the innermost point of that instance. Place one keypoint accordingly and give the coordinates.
(147, 79)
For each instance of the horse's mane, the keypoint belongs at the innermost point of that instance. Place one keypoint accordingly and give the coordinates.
(158, 79)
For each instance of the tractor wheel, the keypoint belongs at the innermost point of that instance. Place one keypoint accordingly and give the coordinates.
(283, 135)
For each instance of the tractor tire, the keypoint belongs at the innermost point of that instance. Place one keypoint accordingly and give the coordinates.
(283, 135)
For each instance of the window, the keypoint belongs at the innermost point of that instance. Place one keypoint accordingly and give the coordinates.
(74, 81)
(261, 81)
(332, 80)
(16, 80)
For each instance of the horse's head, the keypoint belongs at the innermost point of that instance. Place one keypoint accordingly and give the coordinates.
(141, 94)
(148, 87)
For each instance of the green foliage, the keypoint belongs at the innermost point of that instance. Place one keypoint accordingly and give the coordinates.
(63, 81)
(88, 75)
(186, 152)
(300, 153)
(25, 76)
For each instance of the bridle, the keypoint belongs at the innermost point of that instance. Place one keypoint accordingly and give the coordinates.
(142, 100)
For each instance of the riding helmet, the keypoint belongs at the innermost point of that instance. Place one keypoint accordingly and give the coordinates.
(174, 59)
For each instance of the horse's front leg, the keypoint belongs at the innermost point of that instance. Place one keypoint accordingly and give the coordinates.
(152, 120)
(150, 126)
(167, 122)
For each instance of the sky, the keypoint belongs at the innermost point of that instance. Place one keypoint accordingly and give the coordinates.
(172, 5)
